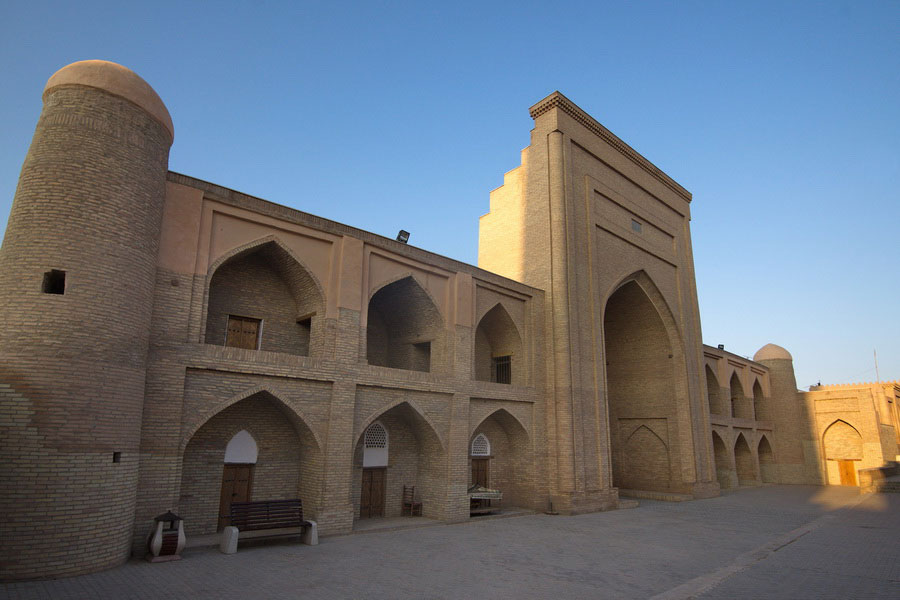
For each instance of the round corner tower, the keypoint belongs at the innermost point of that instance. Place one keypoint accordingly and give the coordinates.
(77, 272)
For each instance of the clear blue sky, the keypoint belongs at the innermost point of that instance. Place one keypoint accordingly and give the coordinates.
(781, 118)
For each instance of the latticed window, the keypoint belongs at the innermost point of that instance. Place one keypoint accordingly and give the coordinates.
(375, 446)
(376, 436)
(481, 446)
(501, 369)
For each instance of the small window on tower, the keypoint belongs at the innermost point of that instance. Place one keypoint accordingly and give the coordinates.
(243, 332)
(54, 282)
(501, 369)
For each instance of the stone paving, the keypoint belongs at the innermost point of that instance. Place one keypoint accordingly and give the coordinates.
(769, 542)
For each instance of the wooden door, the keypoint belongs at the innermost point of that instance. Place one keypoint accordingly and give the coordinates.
(243, 332)
(371, 502)
(237, 481)
(480, 476)
(847, 469)
(480, 471)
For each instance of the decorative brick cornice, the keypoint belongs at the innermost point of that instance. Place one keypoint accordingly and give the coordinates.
(558, 101)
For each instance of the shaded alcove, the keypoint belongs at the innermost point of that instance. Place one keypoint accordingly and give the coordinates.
(510, 464)
(498, 348)
(767, 469)
(714, 393)
(741, 406)
(761, 404)
(403, 328)
(265, 288)
(725, 474)
(641, 391)
(744, 463)
(415, 457)
(287, 465)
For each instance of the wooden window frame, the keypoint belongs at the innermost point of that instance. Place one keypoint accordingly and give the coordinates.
(259, 330)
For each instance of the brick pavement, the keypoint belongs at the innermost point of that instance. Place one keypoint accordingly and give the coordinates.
(778, 541)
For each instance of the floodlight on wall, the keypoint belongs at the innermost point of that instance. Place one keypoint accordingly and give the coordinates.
(403, 236)
(721, 346)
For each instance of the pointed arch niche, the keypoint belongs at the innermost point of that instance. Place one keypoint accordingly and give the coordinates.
(843, 453)
(498, 348)
(404, 327)
(761, 405)
(714, 392)
(276, 451)
(741, 406)
(767, 469)
(501, 458)
(414, 457)
(640, 392)
(263, 298)
(744, 462)
(725, 474)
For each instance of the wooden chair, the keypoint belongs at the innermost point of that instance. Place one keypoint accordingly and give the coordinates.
(410, 506)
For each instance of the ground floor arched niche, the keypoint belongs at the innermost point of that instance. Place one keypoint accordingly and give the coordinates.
(414, 457)
(744, 462)
(725, 473)
(843, 453)
(641, 393)
(501, 458)
(767, 468)
(287, 462)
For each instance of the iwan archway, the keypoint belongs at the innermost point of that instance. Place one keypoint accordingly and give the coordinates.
(641, 353)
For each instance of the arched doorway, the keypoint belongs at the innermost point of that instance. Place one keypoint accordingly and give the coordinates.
(843, 453)
(414, 457)
(725, 474)
(767, 467)
(500, 457)
(219, 458)
(640, 392)
(744, 463)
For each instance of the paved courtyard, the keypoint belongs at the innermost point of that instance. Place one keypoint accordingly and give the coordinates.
(770, 542)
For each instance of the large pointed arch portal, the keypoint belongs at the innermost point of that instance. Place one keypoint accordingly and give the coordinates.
(640, 392)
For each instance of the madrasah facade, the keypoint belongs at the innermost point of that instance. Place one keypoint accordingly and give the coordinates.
(170, 344)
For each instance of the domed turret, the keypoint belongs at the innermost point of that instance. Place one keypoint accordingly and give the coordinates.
(772, 352)
(77, 273)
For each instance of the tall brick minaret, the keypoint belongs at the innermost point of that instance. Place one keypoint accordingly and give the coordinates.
(77, 269)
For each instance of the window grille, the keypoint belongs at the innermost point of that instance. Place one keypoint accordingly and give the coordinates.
(481, 446)
(376, 436)
(375, 446)
(501, 369)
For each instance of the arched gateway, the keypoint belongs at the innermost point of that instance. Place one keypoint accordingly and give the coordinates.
(641, 389)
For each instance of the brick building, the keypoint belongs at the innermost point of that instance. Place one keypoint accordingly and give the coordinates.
(167, 343)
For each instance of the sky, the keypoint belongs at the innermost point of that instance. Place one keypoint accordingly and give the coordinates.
(781, 118)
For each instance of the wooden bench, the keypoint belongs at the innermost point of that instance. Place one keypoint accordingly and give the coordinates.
(274, 517)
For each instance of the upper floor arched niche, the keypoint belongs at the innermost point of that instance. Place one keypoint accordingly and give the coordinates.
(498, 349)
(262, 298)
(403, 327)
(716, 406)
(741, 406)
(761, 405)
